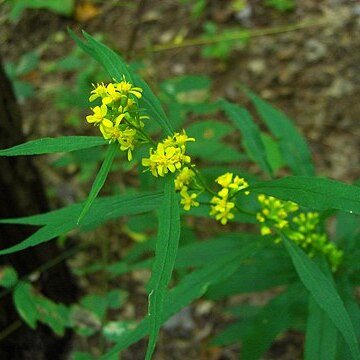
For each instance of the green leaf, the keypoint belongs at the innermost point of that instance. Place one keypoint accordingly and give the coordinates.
(53, 145)
(8, 276)
(24, 303)
(165, 255)
(273, 154)
(271, 320)
(190, 288)
(44, 234)
(324, 293)
(100, 179)
(62, 7)
(198, 253)
(80, 355)
(269, 268)
(61, 221)
(292, 145)
(251, 134)
(96, 304)
(208, 145)
(352, 307)
(321, 334)
(116, 68)
(313, 192)
(56, 316)
(115, 298)
(347, 231)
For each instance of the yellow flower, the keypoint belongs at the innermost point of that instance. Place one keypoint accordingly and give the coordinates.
(239, 184)
(127, 141)
(221, 208)
(111, 95)
(111, 131)
(118, 115)
(225, 180)
(126, 88)
(221, 205)
(168, 156)
(183, 178)
(163, 160)
(188, 200)
(99, 91)
(98, 116)
(178, 140)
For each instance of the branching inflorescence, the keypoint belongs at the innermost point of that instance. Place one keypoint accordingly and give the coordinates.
(120, 119)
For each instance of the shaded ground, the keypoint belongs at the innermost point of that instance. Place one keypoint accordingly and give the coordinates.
(313, 74)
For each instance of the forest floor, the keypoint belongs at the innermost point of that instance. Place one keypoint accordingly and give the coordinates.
(312, 73)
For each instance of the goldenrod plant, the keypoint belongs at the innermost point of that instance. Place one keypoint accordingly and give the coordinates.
(189, 171)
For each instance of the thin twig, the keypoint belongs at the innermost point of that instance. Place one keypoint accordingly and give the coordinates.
(244, 34)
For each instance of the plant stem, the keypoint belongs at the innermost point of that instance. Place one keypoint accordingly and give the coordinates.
(244, 34)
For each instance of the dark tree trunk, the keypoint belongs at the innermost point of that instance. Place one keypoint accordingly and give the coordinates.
(22, 194)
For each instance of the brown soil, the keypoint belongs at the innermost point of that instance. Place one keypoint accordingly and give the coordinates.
(312, 74)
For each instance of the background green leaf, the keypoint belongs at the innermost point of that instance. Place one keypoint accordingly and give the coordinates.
(294, 148)
(271, 320)
(190, 288)
(8, 276)
(62, 7)
(251, 138)
(25, 304)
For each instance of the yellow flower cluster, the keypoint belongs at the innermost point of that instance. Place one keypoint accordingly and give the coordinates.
(303, 228)
(169, 155)
(118, 115)
(305, 232)
(183, 183)
(274, 211)
(221, 203)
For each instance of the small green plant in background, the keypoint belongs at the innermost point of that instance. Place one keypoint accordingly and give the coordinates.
(183, 170)
(18, 72)
(281, 5)
(62, 7)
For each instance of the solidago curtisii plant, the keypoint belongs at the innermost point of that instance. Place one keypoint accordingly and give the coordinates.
(289, 246)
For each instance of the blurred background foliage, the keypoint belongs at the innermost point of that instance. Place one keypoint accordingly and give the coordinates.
(302, 56)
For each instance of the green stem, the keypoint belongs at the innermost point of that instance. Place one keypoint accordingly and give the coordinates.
(141, 132)
(245, 34)
(202, 182)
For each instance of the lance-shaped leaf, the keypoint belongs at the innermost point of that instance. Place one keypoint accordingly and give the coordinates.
(61, 221)
(116, 68)
(321, 334)
(313, 192)
(324, 294)
(251, 134)
(293, 147)
(190, 288)
(271, 320)
(165, 256)
(100, 179)
(103, 209)
(53, 145)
